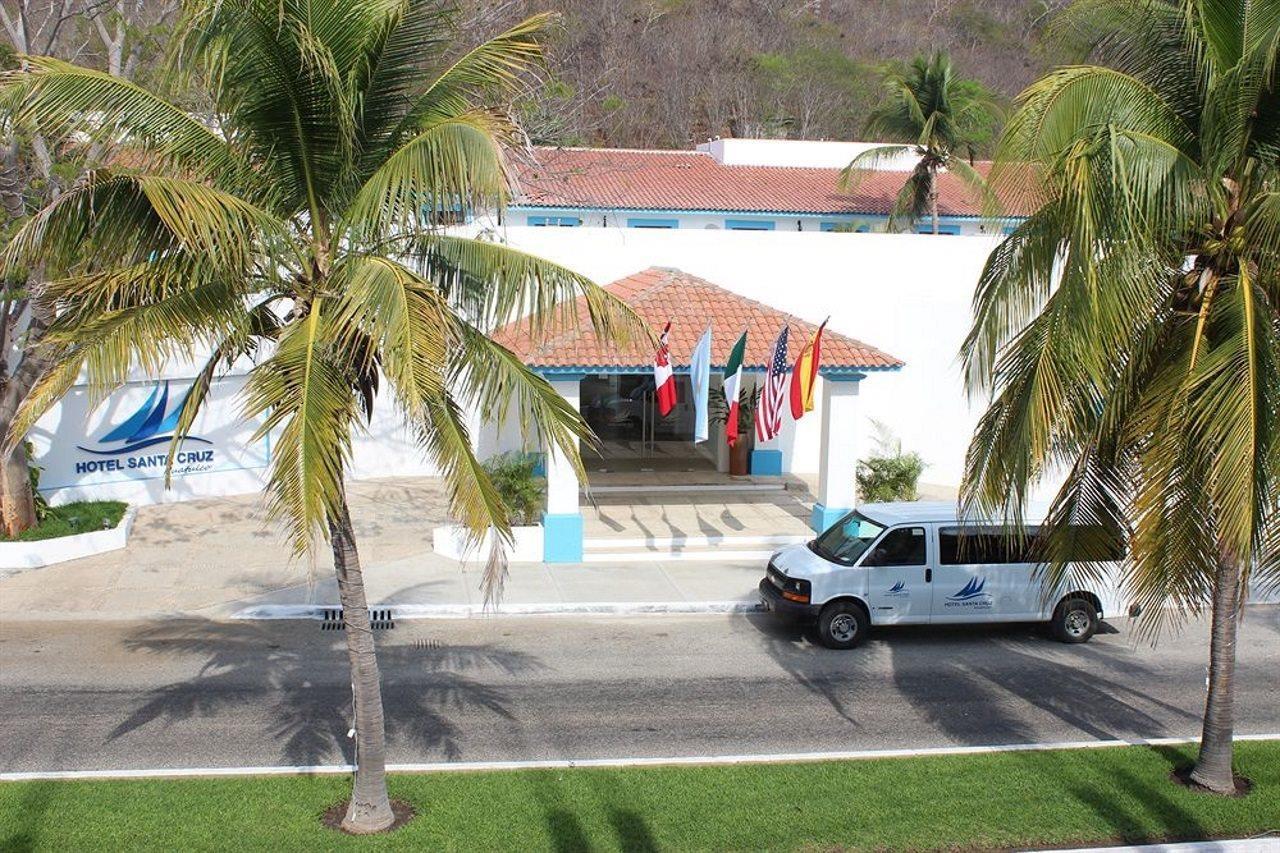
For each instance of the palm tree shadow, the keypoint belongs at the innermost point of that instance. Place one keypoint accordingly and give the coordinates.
(794, 647)
(35, 803)
(244, 665)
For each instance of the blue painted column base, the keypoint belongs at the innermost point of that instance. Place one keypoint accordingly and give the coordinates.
(823, 517)
(766, 463)
(562, 538)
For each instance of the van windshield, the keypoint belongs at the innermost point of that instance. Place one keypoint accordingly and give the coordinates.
(847, 539)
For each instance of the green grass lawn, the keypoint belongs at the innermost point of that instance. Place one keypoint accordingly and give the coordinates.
(78, 517)
(993, 800)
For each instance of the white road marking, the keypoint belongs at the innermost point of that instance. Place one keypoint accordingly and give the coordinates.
(470, 611)
(559, 764)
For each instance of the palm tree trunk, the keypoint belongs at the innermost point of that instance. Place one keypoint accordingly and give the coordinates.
(370, 809)
(17, 501)
(1213, 768)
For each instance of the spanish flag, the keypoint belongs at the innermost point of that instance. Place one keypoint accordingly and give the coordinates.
(805, 374)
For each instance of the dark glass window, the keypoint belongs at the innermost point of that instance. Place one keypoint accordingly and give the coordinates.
(901, 547)
(976, 545)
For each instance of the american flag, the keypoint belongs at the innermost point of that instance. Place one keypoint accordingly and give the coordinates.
(774, 393)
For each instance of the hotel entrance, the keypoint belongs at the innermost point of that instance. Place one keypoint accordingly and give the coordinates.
(621, 410)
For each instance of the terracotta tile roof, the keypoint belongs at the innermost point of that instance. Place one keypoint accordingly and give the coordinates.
(619, 179)
(659, 294)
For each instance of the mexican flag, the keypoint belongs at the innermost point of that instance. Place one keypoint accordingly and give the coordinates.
(732, 385)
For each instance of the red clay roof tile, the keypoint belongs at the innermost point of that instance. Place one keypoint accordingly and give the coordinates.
(619, 179)
(660, 294)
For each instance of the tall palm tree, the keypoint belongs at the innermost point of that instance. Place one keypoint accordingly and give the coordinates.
(935, 116)
(1129, 330)
(294, 225)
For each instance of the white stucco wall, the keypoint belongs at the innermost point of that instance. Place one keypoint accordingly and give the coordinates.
(224, 459)
(906, 294)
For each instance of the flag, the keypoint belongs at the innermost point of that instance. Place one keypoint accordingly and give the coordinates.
(663, 377)
(732, 385)
(805, 374)
(769, 411)
(700, 379)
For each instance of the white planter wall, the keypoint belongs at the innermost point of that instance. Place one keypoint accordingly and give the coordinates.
(451, 541)
(46, 552)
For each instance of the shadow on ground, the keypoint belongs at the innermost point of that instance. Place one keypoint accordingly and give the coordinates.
(249, 663)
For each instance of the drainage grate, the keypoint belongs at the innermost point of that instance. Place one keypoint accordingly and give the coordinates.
(380, 619)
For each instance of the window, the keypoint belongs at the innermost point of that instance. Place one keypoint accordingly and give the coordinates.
(974, 545)
(902, 547)
(943, 230)
(845, 540)
(553, 221)
(634, 222)
(977, 545)
(750, 224)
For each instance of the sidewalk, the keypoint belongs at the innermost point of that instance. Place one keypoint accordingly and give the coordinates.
(219, 558)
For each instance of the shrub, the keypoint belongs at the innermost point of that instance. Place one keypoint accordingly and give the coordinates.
(889, 474)
(521, 490)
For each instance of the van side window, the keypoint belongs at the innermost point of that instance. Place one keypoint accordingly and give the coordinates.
(901, 547)
(974, 545)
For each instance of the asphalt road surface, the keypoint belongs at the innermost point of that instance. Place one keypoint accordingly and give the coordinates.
(191, 693)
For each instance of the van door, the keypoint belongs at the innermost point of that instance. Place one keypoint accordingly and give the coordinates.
(963, 586)
(898, 570)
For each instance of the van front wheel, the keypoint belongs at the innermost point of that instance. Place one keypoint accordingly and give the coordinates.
(843, 625)
(1074, 621)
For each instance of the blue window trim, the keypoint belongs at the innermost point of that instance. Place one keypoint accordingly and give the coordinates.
(553, 221)
(647, 222)
(1008, 229)
(750, 224)
(951, 230)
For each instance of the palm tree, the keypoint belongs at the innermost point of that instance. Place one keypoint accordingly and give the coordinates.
(1129, 330)
(294, 225)
(933, 115)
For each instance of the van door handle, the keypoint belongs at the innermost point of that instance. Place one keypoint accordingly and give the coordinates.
(928, 575)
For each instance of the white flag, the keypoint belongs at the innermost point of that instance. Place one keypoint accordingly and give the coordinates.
(700, 379)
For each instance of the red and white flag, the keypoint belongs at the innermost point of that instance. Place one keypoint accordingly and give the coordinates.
(774, 392)
(663, 377)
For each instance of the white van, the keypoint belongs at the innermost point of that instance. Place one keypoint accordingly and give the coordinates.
(914, 564)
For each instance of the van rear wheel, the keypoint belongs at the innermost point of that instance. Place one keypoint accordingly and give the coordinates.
(1074, 621)
(843, 625)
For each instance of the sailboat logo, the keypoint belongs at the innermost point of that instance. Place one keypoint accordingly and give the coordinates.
(971, 590)
(153, 423)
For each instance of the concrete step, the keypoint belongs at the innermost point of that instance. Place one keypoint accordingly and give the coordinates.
(617, 549)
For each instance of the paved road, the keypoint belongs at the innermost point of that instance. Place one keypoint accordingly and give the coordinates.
(197, 693)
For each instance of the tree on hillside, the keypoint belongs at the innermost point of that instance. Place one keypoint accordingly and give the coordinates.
(295, 225)
(1129, 330)
(118, 34)
(932, 115)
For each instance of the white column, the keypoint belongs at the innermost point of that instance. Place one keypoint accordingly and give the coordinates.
(838, 453)
(562, 522)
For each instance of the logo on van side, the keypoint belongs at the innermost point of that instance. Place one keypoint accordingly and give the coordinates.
(898, 589)
(970, 595)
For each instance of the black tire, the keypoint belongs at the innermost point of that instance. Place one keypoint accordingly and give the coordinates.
(1074, 621)
(843, 625)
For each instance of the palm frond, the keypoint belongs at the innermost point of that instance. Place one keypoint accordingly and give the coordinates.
(61, 98)
(303, 395)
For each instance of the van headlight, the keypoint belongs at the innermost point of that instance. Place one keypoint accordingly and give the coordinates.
(792, 589)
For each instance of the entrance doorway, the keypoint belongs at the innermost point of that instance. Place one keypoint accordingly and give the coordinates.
(621, 410)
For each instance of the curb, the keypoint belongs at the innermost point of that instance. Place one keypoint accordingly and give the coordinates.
(478, 611)
(567, 764)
